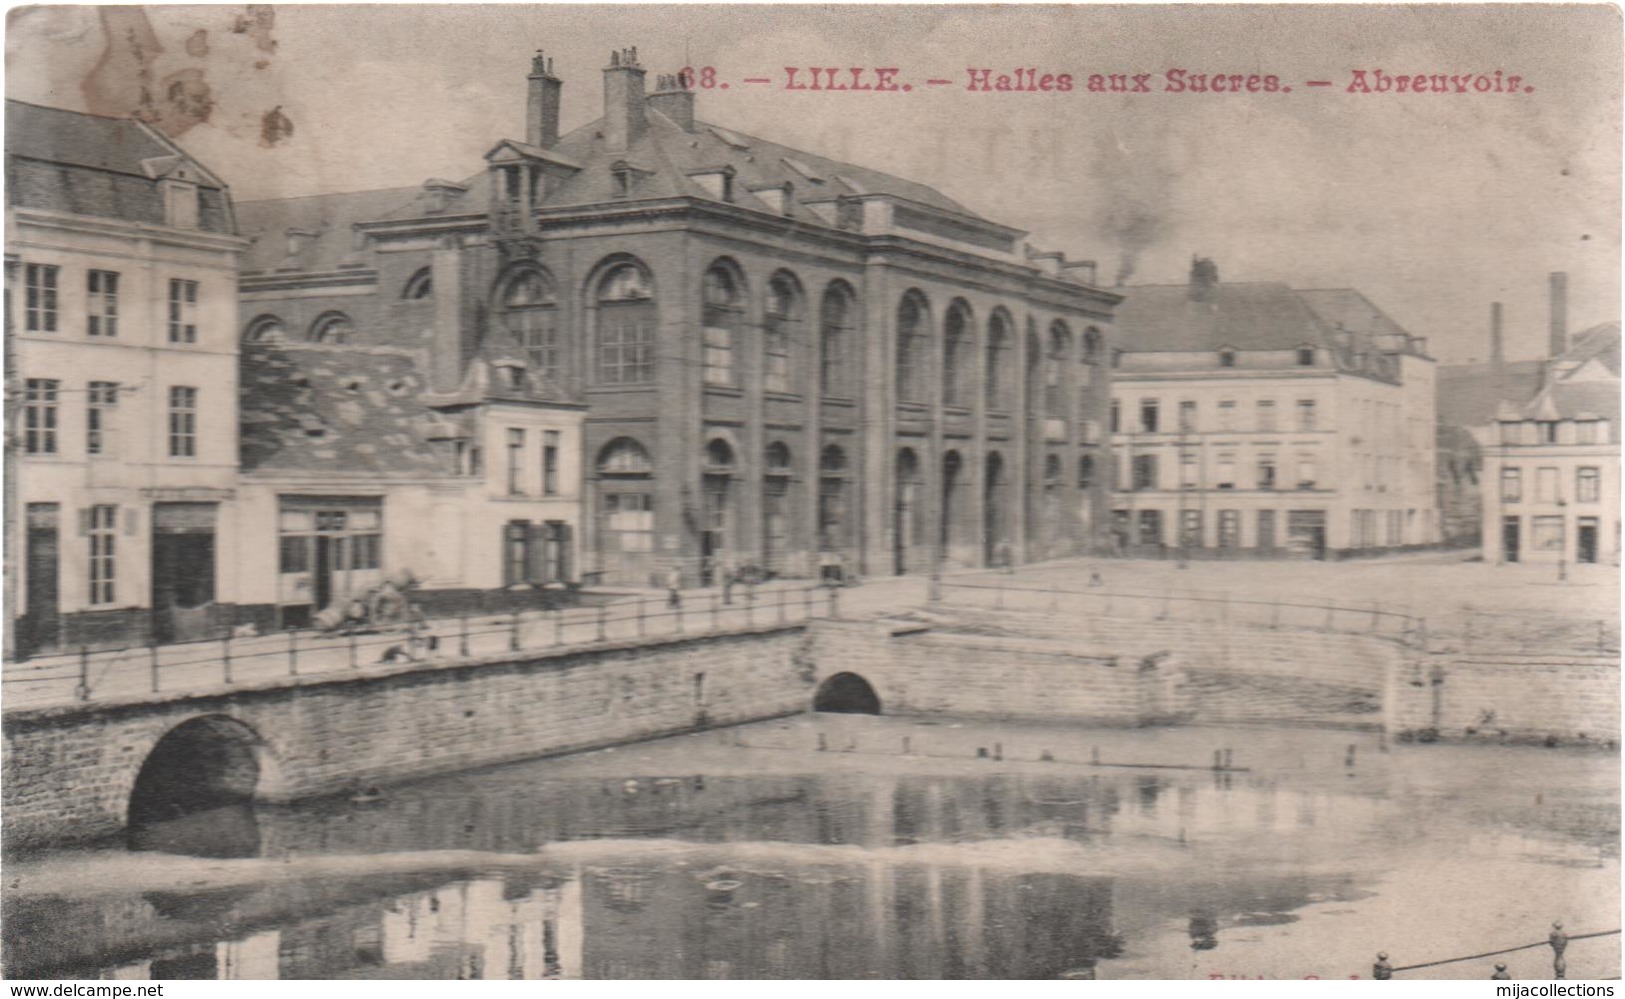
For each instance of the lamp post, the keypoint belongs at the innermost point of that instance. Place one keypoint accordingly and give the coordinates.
(1562, 540)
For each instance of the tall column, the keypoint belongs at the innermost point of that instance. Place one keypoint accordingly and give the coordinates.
(872, 485)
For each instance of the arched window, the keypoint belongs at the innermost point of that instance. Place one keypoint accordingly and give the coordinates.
(331, 327)
(529, 306)
(778, 458)
(625, 512)
(911, 348)
(719, 319)
(779, 322)
(626, 320)
(832, 516)
(776, 506)
(999, 367)
(1060, 345)
(719, 456)
(834, 340)
(419, 286)
(956, 357)
(1092, 342)
(266, 329)
(624, 456)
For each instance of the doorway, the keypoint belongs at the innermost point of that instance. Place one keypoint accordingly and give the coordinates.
(183, 551)
(41, 622)
(1585, 545)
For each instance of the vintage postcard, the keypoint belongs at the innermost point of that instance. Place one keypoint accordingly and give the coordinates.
(791, 492)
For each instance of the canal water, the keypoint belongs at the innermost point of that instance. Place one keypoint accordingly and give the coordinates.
(841, 846)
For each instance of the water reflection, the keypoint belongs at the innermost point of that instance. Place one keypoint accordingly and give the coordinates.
(1042, 872)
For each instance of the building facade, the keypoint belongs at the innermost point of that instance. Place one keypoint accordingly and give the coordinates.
(1255, 419)
(1552, 472)
(781, 360)
(121, 325)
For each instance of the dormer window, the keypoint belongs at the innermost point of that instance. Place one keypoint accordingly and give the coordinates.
(1306, 357)
(777, 198)
(181, 202)
(718, 183)
(511, 376)
(1227, 357)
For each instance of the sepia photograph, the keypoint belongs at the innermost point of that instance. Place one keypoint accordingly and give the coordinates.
(743, 492)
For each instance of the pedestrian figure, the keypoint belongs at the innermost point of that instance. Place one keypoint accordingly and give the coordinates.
(1500, 973)
(1095, 580)
(674, 584)
(1560, 942)
(1007, 558)
(1381, 970)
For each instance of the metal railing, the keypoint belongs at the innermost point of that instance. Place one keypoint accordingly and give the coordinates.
(1368, 619)
(230, 661)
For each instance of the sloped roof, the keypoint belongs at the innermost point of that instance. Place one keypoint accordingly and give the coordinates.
(1468, 395)
(1350, 310)
(1599, 342)
(75, 138)
(1264, 315)
(327, 216)
(665, 156)
(333, 409)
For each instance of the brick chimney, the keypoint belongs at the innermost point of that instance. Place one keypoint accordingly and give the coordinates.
(542, 116)
(673, 100)
(1204, 278)
(1560, 314)
(623, 100)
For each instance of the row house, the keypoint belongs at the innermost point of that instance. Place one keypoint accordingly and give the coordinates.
(121, 317)
(1551, 468)
(1255, 419)
(747, 355)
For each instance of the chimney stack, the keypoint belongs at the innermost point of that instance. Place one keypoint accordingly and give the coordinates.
(1497, 340)
(1560, 314)
(1204, 277)
(674, 100)
(542, 121)
(623, 100)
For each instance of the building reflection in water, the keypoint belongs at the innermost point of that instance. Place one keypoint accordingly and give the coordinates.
(793, 876)
(823, 920)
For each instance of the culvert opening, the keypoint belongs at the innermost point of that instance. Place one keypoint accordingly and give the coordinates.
(848, 694)
(194, 794)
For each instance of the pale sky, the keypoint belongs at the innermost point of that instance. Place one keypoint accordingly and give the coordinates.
(1434, 205)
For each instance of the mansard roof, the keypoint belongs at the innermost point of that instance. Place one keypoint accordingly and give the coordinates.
(667, 161)
(328, 219)
(88, 164)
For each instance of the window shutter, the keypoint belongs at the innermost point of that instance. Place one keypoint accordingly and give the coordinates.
(84, 522)
(131, 521)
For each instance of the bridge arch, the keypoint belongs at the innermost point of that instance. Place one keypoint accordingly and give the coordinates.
(846, 693)
(194, 790)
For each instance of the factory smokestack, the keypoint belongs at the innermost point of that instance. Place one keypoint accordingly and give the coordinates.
(1560, 315)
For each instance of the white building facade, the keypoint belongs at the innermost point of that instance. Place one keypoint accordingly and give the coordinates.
(1551, 471)
(122, 306)
(1256, 420)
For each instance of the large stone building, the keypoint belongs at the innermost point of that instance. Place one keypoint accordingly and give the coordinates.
(783, 360)
(1551, 473)
(1258, 419)
(121, 319)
